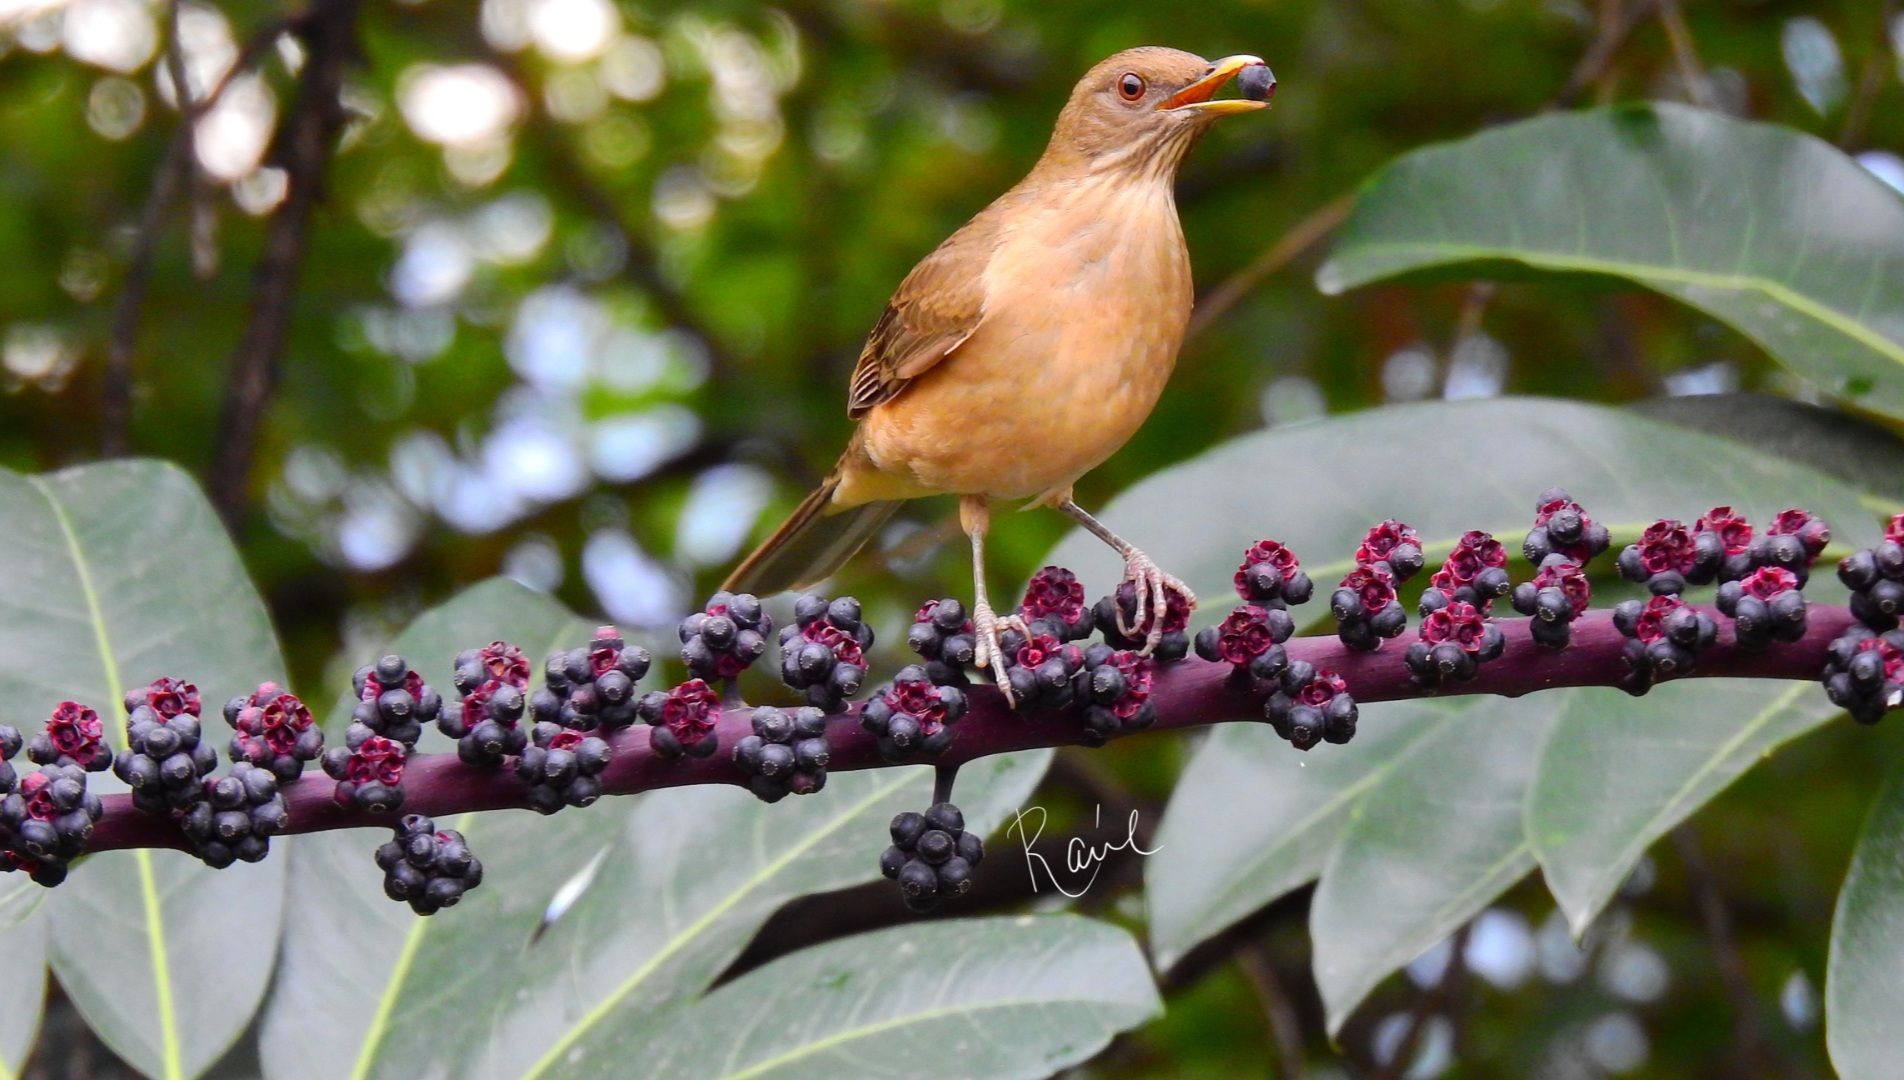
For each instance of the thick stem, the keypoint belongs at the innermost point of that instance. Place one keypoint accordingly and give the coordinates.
(1191, 693)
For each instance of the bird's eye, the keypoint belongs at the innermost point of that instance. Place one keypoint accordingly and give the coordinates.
(1130, 87)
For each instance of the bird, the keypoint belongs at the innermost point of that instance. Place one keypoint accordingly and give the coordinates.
(1032, 343)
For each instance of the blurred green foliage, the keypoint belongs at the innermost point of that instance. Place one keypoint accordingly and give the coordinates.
(602, 342)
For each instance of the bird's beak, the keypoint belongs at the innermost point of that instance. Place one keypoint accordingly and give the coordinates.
(1197, 97)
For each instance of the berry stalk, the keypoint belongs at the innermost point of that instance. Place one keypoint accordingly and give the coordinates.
(1191, 693)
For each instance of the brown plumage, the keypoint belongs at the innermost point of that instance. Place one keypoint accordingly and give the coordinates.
(1033, 342)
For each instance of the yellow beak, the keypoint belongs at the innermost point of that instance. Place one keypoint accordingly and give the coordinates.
(1198, 94)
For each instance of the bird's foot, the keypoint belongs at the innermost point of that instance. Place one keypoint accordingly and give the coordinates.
(989, 629)
(1154, 589)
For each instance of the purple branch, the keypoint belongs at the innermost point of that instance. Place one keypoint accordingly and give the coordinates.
(1191, 693)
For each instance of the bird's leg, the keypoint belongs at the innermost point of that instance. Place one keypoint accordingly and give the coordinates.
(1152, 585)
(976, 517)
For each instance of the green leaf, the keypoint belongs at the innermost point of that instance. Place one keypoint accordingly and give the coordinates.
(119, 573)
(1444, 467)
(1426, 850)
(1864, 978)
(1867, 456)
(1252, 818)
(678, 882)
(23, 991)
(1770, 230)
(994, 997)
(1619, 772)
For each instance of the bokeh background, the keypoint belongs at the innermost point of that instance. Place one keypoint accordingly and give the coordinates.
(587, 277)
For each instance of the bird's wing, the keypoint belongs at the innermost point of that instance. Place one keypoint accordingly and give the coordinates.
(933, 312)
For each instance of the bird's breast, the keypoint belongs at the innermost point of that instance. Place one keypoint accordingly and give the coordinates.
(1086, 300)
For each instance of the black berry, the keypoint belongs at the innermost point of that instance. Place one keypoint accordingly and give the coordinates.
(592, 686)
(1270, 575)
(1366, 608)
(682, 720)
(272, 729)
(932, 856)
(1250, 640)
(46, 820)
(426, 867)
(1563, 527)
(911, 716)
(944, 638)
(1864, 673)
(369, 773)
(165, 757)
(1455, 641)
(1174, 645)
(1311, 705)
(393, 702)
(1556, 597)
(1395, 546)
(1054, 605)
(236, 816)
(562, 767)
(1475, 573)
(786, 755)
(1665, 636)
(73, 736)
(824, 653)
(1765, 606)
(1040, 668)
(1114, 685)
(722, 640)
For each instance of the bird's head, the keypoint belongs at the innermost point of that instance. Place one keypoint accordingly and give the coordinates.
(1142, 109)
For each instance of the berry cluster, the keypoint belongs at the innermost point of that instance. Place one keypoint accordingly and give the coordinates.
(1455, 640)
(562, 767)
(1721, 545)
(1366, 608)
(72, 736)
(393, 701)
(1765, 606)
(1250, 640)
(945, 639)
(787, 753)
(1041, 667)
(487, 724)
(427, 868)
(722, 640)
(912, 716)
(1665, 635)
(932, 856)
(1174, 645)
(46, 818)
(165, 759)
(592, 686)
(1271, 576)
(1556, 597)
(273, 730)
(368, 771)
(1054, 605)
(237, 817)
(682, 719)
(1394, 545)
(1875, 577)
(1562, 527)
(1865, 673)
(824, 652)
(1114, 685)
(1311, 705)
(1475, 573)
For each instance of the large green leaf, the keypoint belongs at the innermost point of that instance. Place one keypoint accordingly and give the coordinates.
(1426, 850)
(1618, 773)
(1444, 467)
(996, 997)
(117, 574)
(1864, 979)
(678, 883)
(23, 1000)
(1863, 454)
(1773, 231)
(1281, 811)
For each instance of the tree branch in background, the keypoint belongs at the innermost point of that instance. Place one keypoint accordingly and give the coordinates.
(305, 145)
(1436, 997)
(1754, 1054)
(176, 172)
(1285, 1027)
(1691, 71)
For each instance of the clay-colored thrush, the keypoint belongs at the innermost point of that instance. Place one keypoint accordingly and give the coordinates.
(1033, 342)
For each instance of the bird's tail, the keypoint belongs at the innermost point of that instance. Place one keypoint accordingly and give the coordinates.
(810, 545)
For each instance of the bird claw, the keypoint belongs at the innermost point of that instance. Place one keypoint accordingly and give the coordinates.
(1153, 587)
(990, 653)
